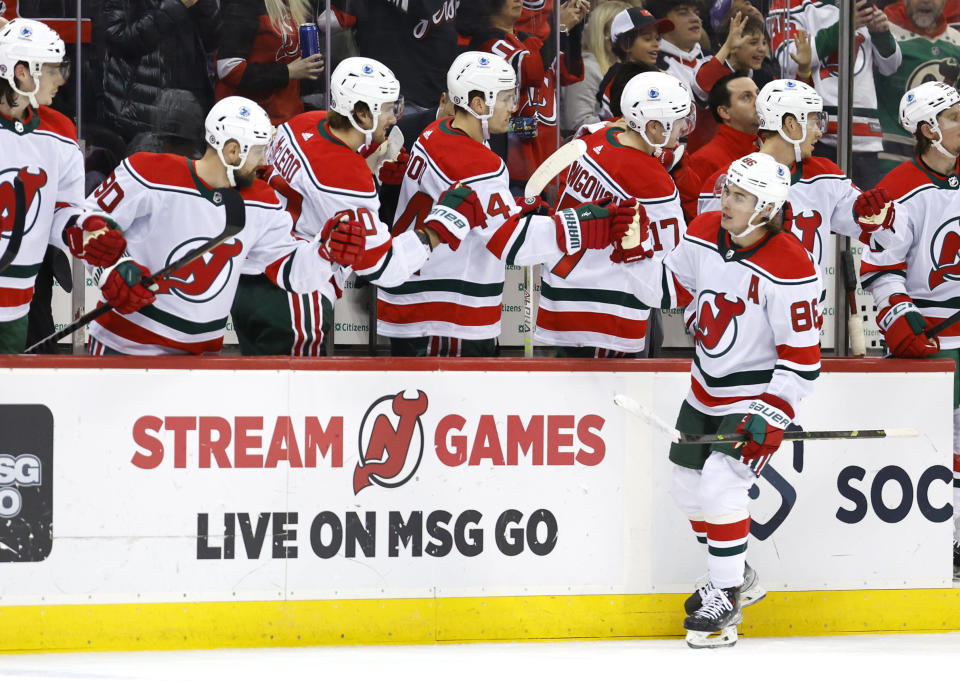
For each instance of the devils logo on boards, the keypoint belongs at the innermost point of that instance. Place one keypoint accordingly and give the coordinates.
(715, 333)
(205, 277)
(388, 459)
(33, 181)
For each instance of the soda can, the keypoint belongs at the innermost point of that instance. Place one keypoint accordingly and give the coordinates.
(309, 40)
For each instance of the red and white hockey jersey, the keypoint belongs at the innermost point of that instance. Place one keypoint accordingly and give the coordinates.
(921, 256)
(758, 327)
(320, 176)
(43, 152)
(165, 211)
(821, 198)
(459, 293)
(584, 299)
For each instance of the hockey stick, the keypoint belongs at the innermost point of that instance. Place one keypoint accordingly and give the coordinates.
(937, 329)
(676, 436)
(19, 223)
(858, 341)
(235, 219)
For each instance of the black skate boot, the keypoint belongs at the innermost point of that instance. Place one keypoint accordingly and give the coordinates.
(751, 592)
(717, 617)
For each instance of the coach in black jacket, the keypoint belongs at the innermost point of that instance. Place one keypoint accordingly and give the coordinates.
(154, 45)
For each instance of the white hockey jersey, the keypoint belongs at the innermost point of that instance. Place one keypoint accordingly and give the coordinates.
(165, 211)
(584, 298)
(921, 257)
(821, 198)
(43, 152)
(320, 176)
(459, 293)
(758, 326)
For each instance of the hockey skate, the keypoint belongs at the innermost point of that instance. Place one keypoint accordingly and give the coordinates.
(714, 624)
(751, 592)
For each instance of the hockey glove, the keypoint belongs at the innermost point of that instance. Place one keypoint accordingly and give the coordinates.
(392, 172)
(121, 287)
(903, 328)
(670, 158)
(873, 210)
(456, 212)
(95, 238)
(592, 226)
(764, 425)
(637, 243)
(533, 206)
(343, 240)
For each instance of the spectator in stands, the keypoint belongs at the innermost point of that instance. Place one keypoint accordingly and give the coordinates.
(635, 37)
(579, 102)
(416, 40)
(931, 51)
(152, 46)
(733, 104)
(259, 56)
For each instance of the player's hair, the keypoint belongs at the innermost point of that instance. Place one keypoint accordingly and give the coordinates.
(923, 143)
(287, 15)
(7, 93)
(775, 224)
(720, 93)
(470, 96)
(340, 122)
(623, 76)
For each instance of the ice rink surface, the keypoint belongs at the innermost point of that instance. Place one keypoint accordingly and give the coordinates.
(910, 657)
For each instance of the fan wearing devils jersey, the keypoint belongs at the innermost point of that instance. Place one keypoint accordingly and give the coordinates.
(452, 305)
(757, 354)
(39, 146)
(169, 206)
(822, 198)
(915, 278)
(317, 167)
(586, 306)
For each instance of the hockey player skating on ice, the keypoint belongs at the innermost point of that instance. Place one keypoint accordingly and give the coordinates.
(822, 198)
(317, 168)
(168, 205)
(452, 305)
(39, 146)
(912, 279)
(586, 306)
(757, 354)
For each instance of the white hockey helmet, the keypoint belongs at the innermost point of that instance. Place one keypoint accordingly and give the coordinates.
(359, 79)
(923, 104)
(761, 175)
(241, 120)
(32, 42)
(655, 96)
(784, 96)
(485, 72)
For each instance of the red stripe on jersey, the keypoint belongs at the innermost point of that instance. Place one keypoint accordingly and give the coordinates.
(439, 312)
(299, 337)
(869, 268)
(273, 269)
(294, 200)
(317, 324)
(498, 242)
(809, 355)
(711, 401)
(859, 129)
(14, 297)
(123, 327)
(729, 531)
(779, 403)
(949, 331)
(371, 258)
(699, 526)
(683, 295)
(597, 322)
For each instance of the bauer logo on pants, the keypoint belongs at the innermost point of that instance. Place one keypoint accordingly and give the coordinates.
(26, 483)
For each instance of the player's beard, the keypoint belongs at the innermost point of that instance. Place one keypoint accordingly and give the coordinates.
(244, 180)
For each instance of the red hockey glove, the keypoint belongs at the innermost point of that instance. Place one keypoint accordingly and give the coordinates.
(121, 287)
(903, 328)
(392, 172)
(534, 205)
(95, 238)
(456, 212)
(764, 425)
(670, 158)
(343, 240)
(873, 210)
(591, 226)
(637, 243)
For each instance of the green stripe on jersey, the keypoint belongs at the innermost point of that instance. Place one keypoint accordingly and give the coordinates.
(734, 379)
(727, 550)
(518, 243)
(953, 303)
(180, 324)
(21, 271)
(876, 275)
(620, 298)
(450, 286)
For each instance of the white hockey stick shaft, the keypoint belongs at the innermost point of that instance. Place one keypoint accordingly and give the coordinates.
(553, 166)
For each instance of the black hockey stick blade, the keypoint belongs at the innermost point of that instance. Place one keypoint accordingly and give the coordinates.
(791, 435)
(849, 272)
(236, 219)
(19, 224)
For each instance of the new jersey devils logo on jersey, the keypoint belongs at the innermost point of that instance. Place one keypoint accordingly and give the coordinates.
(291, 43)
(945, 253)
(717, 322)
(204, 278)
(33, 181)
(807, 229)
(392, 453)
